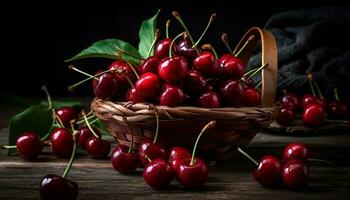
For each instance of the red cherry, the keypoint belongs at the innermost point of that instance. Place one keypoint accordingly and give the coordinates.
(176, 155)
(162, 48)
(233, 93)
(337, 109)
(171, 96)
(106, 87)
(184, 48)
(98, 148)
(285, 116)
(173, 69)
(290, 98)
(248, 82)
(207, 64)
(158, 174)
(61, 142)
(192, 176)
(209, 99)
(126, 71)
(148, 85)
(123, 161)
(295, 151)
(152, 151)
(308, 99)
(233, 67)
(84, 134)
(149, 65)
(29, 146)
(313, 115)
(194, 82)
(268, 173)
(252, 97)
(53, 187)
(289, 105)
(66, 114)
(135, 96)
(225, 58)
(295, 175)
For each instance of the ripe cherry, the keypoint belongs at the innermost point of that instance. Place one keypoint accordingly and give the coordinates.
(148, 85)
(313, 115)
(158, 174)
(192, 175)
(295, 174)
(295, 151)
(98, 148)
(268, 172)
(67, 114)
(84, 134)
(207, 64)
(149, 65)
(123, 161)
(290, 98)
(194, 82)
(173, 69)
(61, 142)
(29, 146)
(162, 48)
(337, 109)
(233, 93)
(171, 95)
(106, 86)
(125, 71)
(184, 48)
(308, 99)
(53, 187)
(252, 97)
(233, 67)
(151, 150)
(225, 58)
(135, 96)
(176, 155)
(209, 99)
(285, 116)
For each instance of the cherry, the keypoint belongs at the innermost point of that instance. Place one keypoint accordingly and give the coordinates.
(151, 150)
(124, 161)
(176, 155)
(232, 67)
(285, 116)
(295, 151)
(173, 69)
(149, 65)
(290, 98)
(194, 82)
(337, 109)
(184, 48)
(248, 82)
(295, 174)
(61, 142)
(252, 97)
(313, 115)
(171, 95)
(67, 114)
(309, 99)
(209, 99)
(135, 96)
(84, 134)
(268, 172)
(98, 148)
(225, 58)
(106, 86)
(148, 85)
(207, 64)
(125, 71)
(158, 174)
(233, 93)
(29, 146)
(53, 187)
(162, 48)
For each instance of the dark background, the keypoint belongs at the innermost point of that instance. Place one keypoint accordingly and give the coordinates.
(38, 37)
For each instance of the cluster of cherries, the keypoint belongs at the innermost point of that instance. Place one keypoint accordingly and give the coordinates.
(179, 73)
(314, 108)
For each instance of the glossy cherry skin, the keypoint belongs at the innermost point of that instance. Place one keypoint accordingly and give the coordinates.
(161, 49)
(308, 99)
(268, 172)
(176, 155)
(207, 64)
(252, 97)
(171, 95)
(248, 82)
(123, 161)
(84, 134)
(295, 175)
(125, 71)
(173, 69)
(148, 85)
(209, 99)
(66, 114)
(184, 48)
(233, 93)
(313, 115)
(192, 176)
(106, 86)
(225, 58)
(194, 82)
(53, 187)
(337, 109)
(158, 174)
(291, 98)
(62, 142)
(295, 151)
(98, 148)
(135, 96)
(233, 67)
(149, 65)
(285, 116)
(29, 146)
(153, 151)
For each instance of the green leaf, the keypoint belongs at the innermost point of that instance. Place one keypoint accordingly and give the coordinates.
(60, 104)
(108, 48)
(35, 118)
(146, 35)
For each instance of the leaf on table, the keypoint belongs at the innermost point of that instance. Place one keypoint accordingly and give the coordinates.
(108, 48)
(35, 118)
(146, 35)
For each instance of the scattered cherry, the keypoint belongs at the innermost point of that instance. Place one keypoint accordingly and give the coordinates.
(192, 175)
(313, 115)
(66, 115)
(295, 151)
(98, 148)
(285, 116)
(158, 174)
(268, 172)
(29, 146)
(176, 155)
(290, 98)
(151, 150)
(295, 174)
(61, 142)
(123, 161)
(84, 134)
(53, 187)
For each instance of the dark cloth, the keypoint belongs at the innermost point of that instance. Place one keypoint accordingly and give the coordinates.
(316, 40)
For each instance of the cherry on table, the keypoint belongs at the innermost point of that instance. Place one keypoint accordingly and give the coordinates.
(192, 175)
(61, 142)
(285, 116)
(295, 151)
(158, 174)
(337, 109)
(98, 148)
(171, 95)
(309, 99)
(313, 115)
(29, 146)
(295, 174)
(123, 161)
(84, 134)
(53, 187)
(66, 115)
(291, 98)
(151, 150)
(176, 155)
(209, 99)
(268, 172)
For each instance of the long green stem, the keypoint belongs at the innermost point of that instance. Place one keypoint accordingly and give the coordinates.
(167, 28)
(224, 39)
(258, 85)
(258, 70)
(8, 146)
(156, 36)
(238, 54)
(323, 161)
(88, 125)
(210, 125)
(82, 72)
(312, 88)
(248, 156)
(251, 71)
(172, 44)
(83, 120)
(66, 171)
(128, 53)
(157, 128)
(49, 101)
(318, 90)
(212, 17)
(132, 67)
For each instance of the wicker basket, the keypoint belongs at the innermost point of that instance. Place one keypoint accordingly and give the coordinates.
(181, 125)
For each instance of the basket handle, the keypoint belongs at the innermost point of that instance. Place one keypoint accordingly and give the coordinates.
(269, 55)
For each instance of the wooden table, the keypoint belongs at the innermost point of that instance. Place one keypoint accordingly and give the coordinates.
(227, 180)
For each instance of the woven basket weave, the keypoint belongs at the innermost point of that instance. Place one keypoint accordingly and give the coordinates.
(181, 125)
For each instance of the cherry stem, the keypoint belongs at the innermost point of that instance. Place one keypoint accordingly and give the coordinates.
(337, 121)
(167, 28)
(132, 68)
(238, 54)
(224, 39)
(247, 156)
(258, 85)
(82, 72)
(318, 90)
(178, 17)
(74, 135)
(88, 124)
(157, 128)
(258, 70)
(324, 162)
(156, 36)
(210, 125)
(55, 117)
(312, 88)
(250, 71)
(172, 43)
(336, 96)
(211, 48)
(8, 146)
(212, 17)
(148, 158)
(83, 120)
(128, 53)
